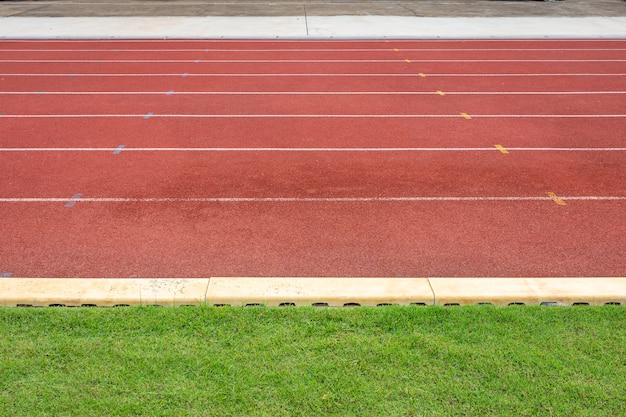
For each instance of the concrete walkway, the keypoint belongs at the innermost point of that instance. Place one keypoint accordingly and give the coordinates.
(312, 19)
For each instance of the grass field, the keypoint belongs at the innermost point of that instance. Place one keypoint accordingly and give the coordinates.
(257, 361)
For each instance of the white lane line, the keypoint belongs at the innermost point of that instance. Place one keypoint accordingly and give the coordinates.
(300, 199)
(389, 49)
(330, 41)
(297, 61)
(235, 75)
(259, 149)
(288, 93)
(303, 116)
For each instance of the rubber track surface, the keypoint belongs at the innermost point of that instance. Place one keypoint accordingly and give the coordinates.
(179, 158)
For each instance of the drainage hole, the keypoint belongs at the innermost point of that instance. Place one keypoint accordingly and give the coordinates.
(352, 305)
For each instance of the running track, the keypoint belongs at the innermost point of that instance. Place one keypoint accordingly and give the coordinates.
(313, 158)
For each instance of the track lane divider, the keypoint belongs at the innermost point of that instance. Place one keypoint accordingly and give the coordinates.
(273, 149)
(418, 199)
(314, 116)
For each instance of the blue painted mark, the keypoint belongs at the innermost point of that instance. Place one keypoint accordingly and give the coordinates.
(169, 93)
(197, 61)
(185, 74)
(6, 275)
(118, 150)
(149, 115)
(72, 201)
(206, 50)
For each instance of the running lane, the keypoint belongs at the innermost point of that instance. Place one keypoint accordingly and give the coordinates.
(313, 158)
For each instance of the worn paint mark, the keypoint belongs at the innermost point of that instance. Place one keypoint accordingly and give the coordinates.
(555, 198)
(501, 149)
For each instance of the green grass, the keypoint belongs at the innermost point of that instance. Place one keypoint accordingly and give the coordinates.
(391, 361)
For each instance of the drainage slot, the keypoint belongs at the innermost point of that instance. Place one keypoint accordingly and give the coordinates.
(287, 305)
(517, 303)
(320, 304)
(352, 305)
(613, 303)
(549, 303)
(580, 304)
(418, 304)
(88, 305)
(451, 304)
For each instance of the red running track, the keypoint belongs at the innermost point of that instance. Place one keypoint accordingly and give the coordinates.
(208, 158)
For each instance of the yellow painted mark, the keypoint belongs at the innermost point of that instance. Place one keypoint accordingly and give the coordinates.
(441, 93)
(555, 198)
(408, 60)
(501, 149)
(466, 116)
(421, 74)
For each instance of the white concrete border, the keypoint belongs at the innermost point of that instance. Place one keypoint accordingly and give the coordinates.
(313, 27)
(334, 292)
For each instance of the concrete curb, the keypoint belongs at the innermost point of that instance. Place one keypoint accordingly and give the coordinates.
(332, 292)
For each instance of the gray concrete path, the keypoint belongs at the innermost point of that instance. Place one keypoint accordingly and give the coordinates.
(415, 8)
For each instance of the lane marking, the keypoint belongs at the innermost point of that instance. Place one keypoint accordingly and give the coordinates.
(76, 199)
(320, 149)
(317, 116)
(226, 93)
(555, 198)
(296, 61)
(501, 149)
(365, 49)
(265, 74)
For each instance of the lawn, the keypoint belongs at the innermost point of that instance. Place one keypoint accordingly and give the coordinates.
(292, 361)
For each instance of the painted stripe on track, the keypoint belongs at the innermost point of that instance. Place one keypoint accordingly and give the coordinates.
(299, 199)
(297, 61)
(341, 93)
(320, 116)
(234, 75)
(390, 49)
(332, 41)
(120, 149)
